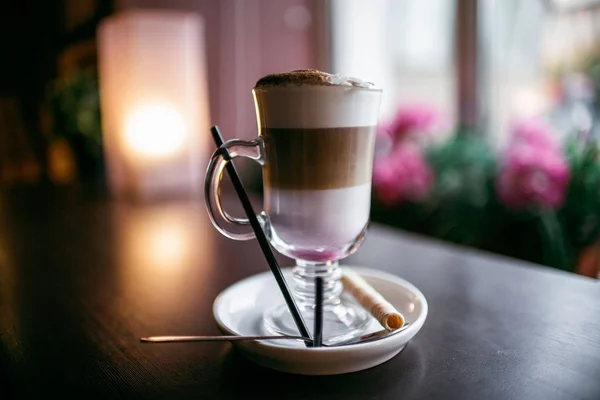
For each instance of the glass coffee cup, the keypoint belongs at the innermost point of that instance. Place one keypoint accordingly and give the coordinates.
(316, 143)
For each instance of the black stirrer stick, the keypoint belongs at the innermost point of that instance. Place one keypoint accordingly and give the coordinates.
(262, 239)
(318, 331)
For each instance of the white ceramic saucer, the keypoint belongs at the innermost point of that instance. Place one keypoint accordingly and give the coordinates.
(238, 310)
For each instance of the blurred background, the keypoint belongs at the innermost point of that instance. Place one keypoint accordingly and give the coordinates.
(488, 136)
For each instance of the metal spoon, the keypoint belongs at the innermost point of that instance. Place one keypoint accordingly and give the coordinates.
(370, 337)
(220, 338)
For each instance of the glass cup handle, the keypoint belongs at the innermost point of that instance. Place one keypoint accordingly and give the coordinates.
(254, 150)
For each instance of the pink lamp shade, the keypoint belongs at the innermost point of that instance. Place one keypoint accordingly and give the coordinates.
(154, 103)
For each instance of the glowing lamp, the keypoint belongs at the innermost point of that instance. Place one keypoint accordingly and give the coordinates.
(154, 102)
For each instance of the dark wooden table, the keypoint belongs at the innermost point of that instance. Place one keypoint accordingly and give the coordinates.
(82, 281)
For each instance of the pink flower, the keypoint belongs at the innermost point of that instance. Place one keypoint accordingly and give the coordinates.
(403, 175)
(534, 171)
(414, 120)
(534, 132)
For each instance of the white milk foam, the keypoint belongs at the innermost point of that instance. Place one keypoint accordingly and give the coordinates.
(313, 219)
(312, 106)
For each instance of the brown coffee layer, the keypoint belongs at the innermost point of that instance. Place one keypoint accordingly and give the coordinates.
(294, 78)
(317, 159)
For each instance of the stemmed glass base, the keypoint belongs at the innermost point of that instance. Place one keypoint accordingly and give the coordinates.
(343, 318)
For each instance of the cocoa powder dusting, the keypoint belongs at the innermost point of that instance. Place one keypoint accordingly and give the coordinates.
(298, 77)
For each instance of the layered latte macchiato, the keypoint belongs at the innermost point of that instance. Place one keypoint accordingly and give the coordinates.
(319, 142)
(316, 143)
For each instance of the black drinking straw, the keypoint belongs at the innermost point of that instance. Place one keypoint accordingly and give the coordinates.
(318, 331)
(262, 239)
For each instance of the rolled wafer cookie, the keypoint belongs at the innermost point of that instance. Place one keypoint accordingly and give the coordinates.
(387, 315)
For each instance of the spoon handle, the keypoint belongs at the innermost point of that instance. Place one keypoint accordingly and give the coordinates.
(219, 338)
(183, 339)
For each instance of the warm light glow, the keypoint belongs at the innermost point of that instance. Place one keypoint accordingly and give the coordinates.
(159, 242)
(155, 130)
(168, 245)
(154, 103)
(162, 251)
